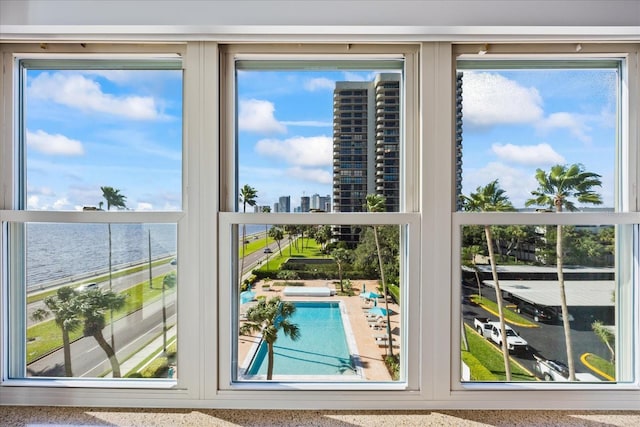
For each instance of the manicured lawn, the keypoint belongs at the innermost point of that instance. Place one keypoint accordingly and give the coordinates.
(509, 315)
(42, 295)
(490, 357)
(311, 250)
(602, 365)
(46, 336)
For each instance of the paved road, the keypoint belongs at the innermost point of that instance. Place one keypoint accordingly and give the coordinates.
(131, 333)
(547, 340)
(118, 284)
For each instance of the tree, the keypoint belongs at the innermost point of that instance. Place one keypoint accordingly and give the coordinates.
(492, 198)
(63, 305)
(92, 306)
(376, 203)
(267, 318)
(607, 337)
(469, 254)
(556, 191)
(277, 234)
(114, 199)
(323, 236)
(342, 257)
(248, 196)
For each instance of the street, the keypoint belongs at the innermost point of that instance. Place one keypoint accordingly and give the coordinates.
(546, 340)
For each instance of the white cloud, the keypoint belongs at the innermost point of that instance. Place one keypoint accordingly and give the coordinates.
(144, 206)
(256, 115)
(490, 99)
(54, 144)
(321, 83)
(33, 202)
(536, 155)
(320, 176)
(299, 151)
(78, 91)
(574, 123)
(517, 182)
(309, 123)
(61, 204)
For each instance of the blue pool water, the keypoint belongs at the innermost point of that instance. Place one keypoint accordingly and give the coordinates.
(322, 348)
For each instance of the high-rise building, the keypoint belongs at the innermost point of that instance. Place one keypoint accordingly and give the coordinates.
(366, 146)
(284, 204)
(305, 203)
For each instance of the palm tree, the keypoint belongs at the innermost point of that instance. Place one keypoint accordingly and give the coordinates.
(267, 318)
(492, 198)
(92, 306)
(248, 196)
(116, 200)
(65, 311)
(341, 256)
(555, 190)
(277, 234)
(376, 203)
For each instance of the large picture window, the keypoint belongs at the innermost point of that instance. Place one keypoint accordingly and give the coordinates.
(543, 300)
(92, 264)
(317, 297)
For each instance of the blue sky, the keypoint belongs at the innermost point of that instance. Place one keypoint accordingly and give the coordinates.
(518, 121)
(87, 129)
(286, 131)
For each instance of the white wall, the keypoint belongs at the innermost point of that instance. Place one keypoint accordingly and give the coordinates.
(446, 19)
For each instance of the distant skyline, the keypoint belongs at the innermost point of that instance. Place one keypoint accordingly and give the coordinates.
(87, 129)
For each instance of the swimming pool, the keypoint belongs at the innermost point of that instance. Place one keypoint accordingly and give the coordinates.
(325, 349)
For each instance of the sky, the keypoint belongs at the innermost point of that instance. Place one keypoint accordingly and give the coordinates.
(115, 128)
(87, 129)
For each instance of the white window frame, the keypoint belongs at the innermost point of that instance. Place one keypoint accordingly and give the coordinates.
(204, 263)
(626, 216)
(228, 218)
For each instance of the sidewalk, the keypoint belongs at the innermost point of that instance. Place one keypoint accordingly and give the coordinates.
(153, 348)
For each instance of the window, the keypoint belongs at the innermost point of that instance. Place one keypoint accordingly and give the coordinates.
(92, 262)
(254, 195)
(312, 265)
(549, 134)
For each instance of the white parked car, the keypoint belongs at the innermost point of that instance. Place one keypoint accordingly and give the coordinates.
(515, 343)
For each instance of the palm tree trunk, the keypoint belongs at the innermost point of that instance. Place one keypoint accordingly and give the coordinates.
(563, 301)
(503, 329)
(66, 346)
(115, 365)
(113, 345)
(244, 237)
(270, 360)
(384, 291)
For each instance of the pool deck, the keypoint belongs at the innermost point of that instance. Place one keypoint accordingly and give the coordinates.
(371, 355)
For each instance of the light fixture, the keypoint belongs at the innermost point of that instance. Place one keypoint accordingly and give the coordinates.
(484, 49)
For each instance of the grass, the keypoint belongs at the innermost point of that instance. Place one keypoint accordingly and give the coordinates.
(46, 336)
(509, 315)
(256, 245)
(35, 297)
(311, 250)
(491, 359)
(602, 365)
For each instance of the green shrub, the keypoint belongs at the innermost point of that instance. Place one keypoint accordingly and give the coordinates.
(157, 368)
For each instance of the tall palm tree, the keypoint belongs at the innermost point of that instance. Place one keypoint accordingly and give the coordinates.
(556, 191)
(492, 198)
(267, 318)
(277, 234)
(377, 203)
(341, 256)
(63, 306)
(92, 306)
(115, 199)
(248, 196)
